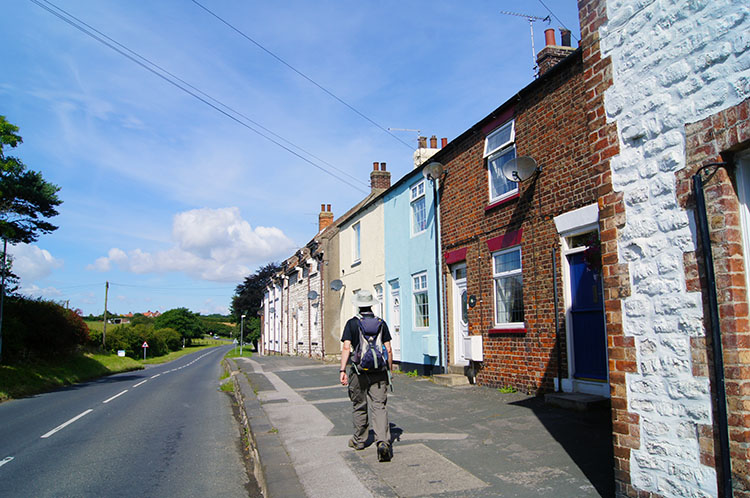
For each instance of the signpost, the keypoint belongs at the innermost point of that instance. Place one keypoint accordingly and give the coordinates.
(145, 346)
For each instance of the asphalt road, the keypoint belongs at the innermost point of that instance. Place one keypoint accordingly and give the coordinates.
(163, 431)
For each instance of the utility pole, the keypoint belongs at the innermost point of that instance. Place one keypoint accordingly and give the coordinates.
(242, 333)
(104, 328)
(2, 298)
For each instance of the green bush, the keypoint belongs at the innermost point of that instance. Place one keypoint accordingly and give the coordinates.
(130, 338)
(42, 329)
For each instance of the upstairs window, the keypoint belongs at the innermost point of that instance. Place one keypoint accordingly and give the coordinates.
(418, 209)
(357, 242)
(499, 148)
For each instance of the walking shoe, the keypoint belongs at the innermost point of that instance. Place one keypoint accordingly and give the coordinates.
(385, 453)
(356, 446)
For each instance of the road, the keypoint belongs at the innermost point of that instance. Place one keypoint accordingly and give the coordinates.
(163, 431)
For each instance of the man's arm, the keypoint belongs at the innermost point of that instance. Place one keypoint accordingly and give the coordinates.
(390, 354)
(345, 351)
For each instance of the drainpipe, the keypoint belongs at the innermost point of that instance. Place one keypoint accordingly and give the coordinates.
(713, 308)
(557, 320)
(309, 322)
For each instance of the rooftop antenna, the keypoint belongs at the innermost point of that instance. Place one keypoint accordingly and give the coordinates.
(531, 20)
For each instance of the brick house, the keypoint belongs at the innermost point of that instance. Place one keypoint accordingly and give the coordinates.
(500, 239)
(667, 87)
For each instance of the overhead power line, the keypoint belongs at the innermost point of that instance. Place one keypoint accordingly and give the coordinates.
(186, 87)
(557, 18)
(300, 73)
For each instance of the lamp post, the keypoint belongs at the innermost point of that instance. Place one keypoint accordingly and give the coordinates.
(242, 332)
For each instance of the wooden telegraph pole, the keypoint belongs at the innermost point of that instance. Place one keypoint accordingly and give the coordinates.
(104, 328)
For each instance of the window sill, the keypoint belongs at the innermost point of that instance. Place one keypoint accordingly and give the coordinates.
(502, 201)
(508, 331)
(357, 263)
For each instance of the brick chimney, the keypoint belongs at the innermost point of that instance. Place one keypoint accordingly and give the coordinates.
(325, 218)
(380, 179)
(550, 55)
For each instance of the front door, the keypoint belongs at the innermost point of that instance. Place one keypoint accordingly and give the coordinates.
(460, 314)
(395, 320)
(587, 320)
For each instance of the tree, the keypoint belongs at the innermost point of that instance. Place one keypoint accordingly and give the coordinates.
(249, 294)
(26, 199)
(187, 323)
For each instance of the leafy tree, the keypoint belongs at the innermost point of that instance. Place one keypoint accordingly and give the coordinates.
(26, 199)
(187, 323)
(249, 294)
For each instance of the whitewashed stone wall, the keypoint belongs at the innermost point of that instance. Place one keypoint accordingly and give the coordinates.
(674, 62)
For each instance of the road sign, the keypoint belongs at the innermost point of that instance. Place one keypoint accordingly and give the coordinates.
(145, 344)
(234, 342)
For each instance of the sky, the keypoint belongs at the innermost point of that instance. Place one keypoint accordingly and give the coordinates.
(172, 197)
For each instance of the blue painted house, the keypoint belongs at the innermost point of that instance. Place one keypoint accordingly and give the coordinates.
(410, 296)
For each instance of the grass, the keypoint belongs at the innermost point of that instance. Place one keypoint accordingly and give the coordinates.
(227, 387)
(17, 381)
(413, 374)
(198, 345)
(507, 389)
(235, 353)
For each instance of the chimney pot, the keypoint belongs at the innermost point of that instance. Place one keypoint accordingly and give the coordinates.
(549, 36)
(564, 37)
(422, 142)
(323, 208)
(382, 166)
(443, 142)
(375, 166)
(328, 208)
(433, 142)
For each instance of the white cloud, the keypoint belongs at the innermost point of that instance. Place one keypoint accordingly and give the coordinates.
(36, 291)
(31, 263)
(210, 244)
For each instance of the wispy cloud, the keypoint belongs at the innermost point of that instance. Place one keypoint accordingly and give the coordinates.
(209, 244)
(32, 263)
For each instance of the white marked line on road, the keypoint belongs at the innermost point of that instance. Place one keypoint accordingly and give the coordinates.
(5, 460)
(155, 376)
(62, 426)
(141, 382)
(115, 396)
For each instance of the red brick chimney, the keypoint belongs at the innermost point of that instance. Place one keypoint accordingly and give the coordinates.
(550, 55)
(380, 179)
(325, 218)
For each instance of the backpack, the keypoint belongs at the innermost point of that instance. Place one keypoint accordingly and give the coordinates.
(370, 355)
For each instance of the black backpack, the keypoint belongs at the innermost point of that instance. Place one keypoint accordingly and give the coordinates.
(370, 355)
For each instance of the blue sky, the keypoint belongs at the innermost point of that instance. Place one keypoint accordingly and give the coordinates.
(173, 202)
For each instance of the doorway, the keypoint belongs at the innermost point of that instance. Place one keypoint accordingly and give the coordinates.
(460, 315)
(394, 312)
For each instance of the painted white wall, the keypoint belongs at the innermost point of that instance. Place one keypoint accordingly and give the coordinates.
(674, 62)
(371, 269)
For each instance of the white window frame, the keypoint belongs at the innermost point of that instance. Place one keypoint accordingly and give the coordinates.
(357, 242)
(497, 151)
(416, 197)
(420, 287)
(501, 275)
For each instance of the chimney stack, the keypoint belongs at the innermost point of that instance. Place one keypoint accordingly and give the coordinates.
(380, 179)
(325, 218)
(423, 152)
(551, 54)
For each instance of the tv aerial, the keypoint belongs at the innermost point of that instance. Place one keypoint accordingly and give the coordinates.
(532, 20)
(520, 169)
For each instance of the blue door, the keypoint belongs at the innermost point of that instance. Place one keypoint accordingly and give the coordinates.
(587, 320)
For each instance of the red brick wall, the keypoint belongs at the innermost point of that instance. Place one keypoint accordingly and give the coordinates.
(550, 126)
(715, 139)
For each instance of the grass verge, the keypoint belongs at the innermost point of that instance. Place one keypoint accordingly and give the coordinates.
(17, 381)
(235, 353)
(201, 344)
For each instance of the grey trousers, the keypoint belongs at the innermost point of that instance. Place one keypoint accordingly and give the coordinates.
(369, 390)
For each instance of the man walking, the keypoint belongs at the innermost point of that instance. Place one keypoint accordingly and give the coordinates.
(365, 369)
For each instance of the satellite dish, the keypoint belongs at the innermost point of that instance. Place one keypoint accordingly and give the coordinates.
(433, 171)
(312, 295)
(520, 169)
(336, 285)
(272, 310)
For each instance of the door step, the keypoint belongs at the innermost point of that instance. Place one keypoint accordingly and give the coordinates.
(451, 380)
(577, 401)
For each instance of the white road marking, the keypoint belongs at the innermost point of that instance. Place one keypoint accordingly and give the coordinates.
(115, 396)
(5, 460)
(62, 426)
(155, 376)
(141, 382)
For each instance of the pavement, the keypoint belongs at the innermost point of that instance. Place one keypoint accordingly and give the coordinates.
(468, 441)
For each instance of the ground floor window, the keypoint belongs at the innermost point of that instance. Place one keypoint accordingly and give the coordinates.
(421, 301)
(508, 286)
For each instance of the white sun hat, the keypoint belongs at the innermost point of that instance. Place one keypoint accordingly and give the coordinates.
(364, 299)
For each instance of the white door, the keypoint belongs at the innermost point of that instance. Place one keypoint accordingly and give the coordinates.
(460, 314)
(395, 319)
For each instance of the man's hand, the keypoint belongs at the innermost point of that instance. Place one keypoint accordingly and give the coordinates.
(344, 379)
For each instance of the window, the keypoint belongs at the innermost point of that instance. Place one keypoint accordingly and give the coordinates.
(421, 301)
(499, 148)
(379, 296)
(357, 242)
(418, 209)
(508, 287)
(293, 278)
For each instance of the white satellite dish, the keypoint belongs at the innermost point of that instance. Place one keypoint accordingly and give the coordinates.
(433, 171)
(520, 169)
(336, 285)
